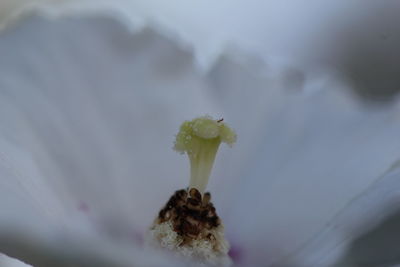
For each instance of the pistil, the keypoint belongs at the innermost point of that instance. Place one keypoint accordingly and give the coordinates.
(200, 140)
(188, 224)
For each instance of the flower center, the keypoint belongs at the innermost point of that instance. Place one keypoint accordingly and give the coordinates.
(188, 224)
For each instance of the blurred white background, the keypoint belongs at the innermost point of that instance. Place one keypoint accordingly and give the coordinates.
(356, 41)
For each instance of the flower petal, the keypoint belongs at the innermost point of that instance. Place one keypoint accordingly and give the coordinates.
(90, 110)
(361, 233)
(97, 108)
(10, 262)
(313, 151)
(53, 246)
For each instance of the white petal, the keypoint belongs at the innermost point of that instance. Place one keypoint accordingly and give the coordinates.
(52, 246)
(10, 262)
(377, 204)
(98, 108)
(91, 110)
(315, 150)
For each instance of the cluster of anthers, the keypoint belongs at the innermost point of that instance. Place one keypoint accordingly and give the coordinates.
(192, 216)
(189, 224)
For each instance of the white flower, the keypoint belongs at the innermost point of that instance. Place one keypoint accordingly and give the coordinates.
(88, 111)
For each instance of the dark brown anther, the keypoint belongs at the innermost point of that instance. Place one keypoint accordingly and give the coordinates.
(214, 221)
(211, 237)
(193, 202)
(171, 203)
(192, 221)
(203, 214)
(206, 198)
(190, 229)
(196, 215)
(221, 120)
(161, 214)
(179, 211)
(191, 215)
(181, 194)
(194, 193)
(210, 210)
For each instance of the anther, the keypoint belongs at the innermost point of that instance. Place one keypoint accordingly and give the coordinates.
(194, 193)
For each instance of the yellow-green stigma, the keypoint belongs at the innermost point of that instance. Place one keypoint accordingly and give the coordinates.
(200, 139)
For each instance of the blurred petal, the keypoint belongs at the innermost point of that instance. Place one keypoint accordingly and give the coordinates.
(10, 262)
(97, 108)
(49, 246)
(313, 151)
(88, 111)
(365, 232)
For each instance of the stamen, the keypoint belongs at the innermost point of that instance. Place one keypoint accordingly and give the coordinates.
(192, 228)
(188, 224)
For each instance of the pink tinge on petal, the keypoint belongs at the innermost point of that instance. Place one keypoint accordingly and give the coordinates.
(83, 207)
(137, 237)
(236, 253)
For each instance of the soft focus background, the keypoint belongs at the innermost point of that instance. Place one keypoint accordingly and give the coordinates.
(357, 39)
(330, 110)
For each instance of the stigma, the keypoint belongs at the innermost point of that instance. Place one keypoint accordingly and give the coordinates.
(188, 224)
(200, 140)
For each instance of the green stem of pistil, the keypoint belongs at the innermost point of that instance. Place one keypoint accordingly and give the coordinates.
(202, 159)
